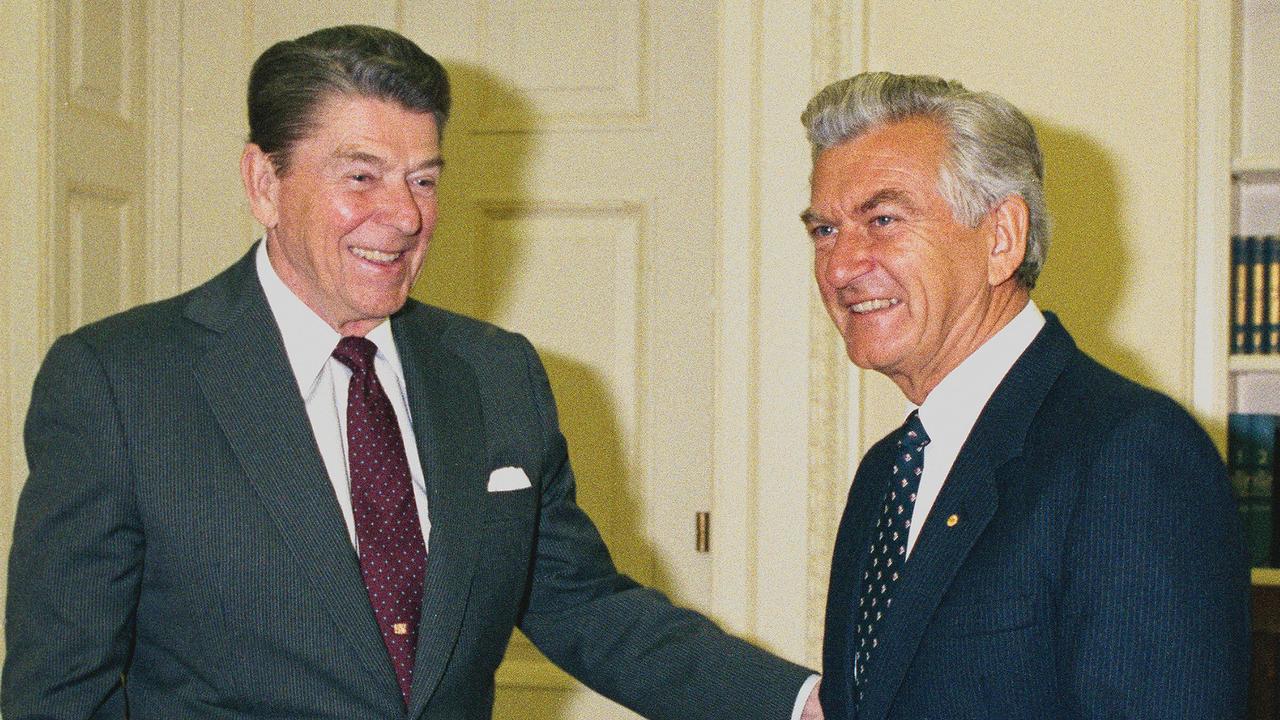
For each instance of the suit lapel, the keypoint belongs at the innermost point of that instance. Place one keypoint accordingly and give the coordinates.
(850, 559)
(449, 427)
(970, 495)
(246, 378)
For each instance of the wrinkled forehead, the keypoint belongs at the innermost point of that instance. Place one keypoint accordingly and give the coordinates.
(917, 139)
(909, 152)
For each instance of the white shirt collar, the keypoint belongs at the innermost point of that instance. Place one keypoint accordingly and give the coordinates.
(952, 408)
(308, 340)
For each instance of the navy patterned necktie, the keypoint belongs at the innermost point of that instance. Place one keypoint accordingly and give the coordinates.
(393, 557)
(888, 552)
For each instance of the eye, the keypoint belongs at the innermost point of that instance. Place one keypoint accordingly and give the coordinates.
(424, 182)
(883, 220)
(360, 177)
(822, 231)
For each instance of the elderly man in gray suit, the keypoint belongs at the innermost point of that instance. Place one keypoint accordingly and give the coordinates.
(292, 492)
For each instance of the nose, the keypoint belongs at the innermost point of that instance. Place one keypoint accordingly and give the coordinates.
(844, 260)
(400, 208)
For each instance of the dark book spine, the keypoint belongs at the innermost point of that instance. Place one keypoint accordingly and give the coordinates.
(1264, 296)
(1239, 458)
(1260, 491)
(1273, 501)
(1273, 292)
(1238, 271)
(1257, 292)
(1251, 446)
(1249, 260)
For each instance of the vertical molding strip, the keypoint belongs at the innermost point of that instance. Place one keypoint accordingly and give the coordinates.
(1213, 37)
(737, 262)
(784, 341)
(838, 37)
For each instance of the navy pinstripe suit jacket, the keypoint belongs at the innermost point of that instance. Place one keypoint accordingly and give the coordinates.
(178, 527)
(1097, 569)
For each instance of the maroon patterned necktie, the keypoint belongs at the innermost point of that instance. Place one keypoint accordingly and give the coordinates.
(393, 558)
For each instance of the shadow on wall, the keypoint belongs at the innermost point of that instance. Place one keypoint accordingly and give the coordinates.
(1086, 275)
(466, 267)
(473, 262)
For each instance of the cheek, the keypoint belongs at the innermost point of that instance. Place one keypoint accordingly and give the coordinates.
(346, 213)
(428, 210)
(821, 263)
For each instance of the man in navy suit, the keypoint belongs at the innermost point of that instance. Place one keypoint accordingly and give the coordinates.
(1042, 538)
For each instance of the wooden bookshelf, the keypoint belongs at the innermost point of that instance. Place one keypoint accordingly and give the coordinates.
(1239, 154)
(1238, 193)
(1264, 681)
(1254, 363)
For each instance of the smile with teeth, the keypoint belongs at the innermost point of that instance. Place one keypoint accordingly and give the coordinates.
(374, 255)
(867, 306)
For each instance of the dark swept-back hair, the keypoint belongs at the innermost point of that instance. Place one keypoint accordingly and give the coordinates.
(292, 78)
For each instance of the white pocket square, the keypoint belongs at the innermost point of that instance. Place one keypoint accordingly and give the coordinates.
(508, 478)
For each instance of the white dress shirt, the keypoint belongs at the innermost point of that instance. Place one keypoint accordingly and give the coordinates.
(951, 409)
(323, 382)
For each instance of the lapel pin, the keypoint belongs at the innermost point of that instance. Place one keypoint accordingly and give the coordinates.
(953, 520)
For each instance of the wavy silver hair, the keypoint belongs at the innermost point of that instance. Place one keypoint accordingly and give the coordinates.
(994, 151)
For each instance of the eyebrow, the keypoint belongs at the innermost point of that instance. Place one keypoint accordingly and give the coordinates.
(810, 216)
(370, 159)
(888, 196)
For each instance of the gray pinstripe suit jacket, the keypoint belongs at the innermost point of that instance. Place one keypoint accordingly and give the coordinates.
(178, 527)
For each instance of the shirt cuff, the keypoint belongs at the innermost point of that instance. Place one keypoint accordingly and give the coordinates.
(803, 696)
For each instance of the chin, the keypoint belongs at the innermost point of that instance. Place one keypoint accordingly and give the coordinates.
(868, 355)
(857, 356)
(385, 303)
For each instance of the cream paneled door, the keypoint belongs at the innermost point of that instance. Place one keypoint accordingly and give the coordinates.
(72, 190)
(96, 256)
(578, 208)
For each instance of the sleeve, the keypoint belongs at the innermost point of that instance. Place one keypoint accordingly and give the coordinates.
(1154, 613)
(76, 558)
(625, 641)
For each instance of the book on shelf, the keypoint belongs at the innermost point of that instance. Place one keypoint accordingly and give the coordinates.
(1238, 271)
(1271, 321)
(1255, 294)
(1251, 453)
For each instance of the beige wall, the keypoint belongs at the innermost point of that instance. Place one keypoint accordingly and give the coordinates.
(1109, 87)
(1109, 84)
(23, 183)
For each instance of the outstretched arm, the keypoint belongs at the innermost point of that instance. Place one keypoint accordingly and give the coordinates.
(626, 641)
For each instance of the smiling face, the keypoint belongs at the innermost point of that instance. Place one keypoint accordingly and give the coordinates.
(348, 224)
(912, 291)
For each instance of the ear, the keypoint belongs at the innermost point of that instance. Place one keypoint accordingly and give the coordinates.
(261, 185)
(1008, 239)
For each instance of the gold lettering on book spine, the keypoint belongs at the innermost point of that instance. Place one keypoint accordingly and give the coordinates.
(1257, 317)
(1241, 321)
